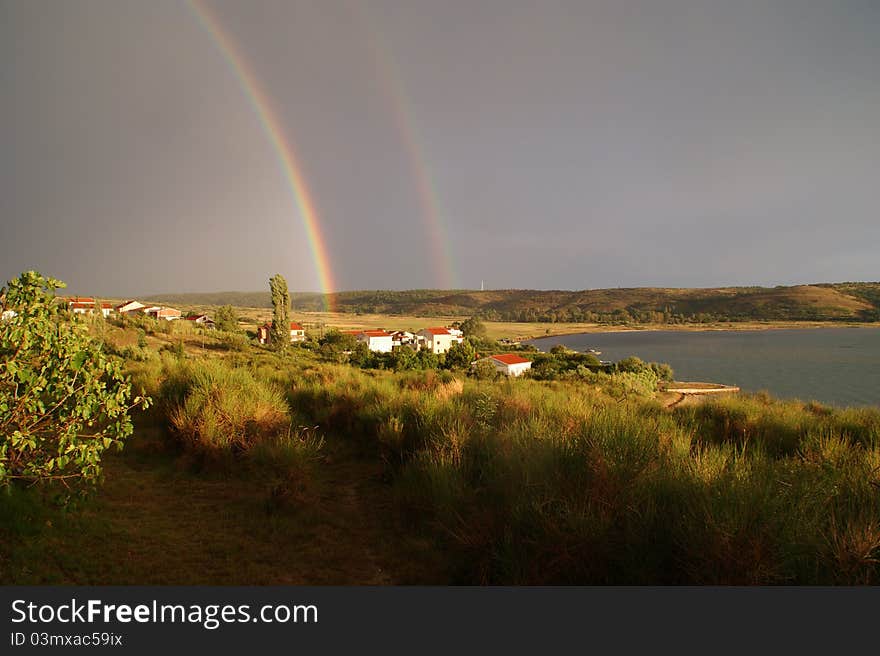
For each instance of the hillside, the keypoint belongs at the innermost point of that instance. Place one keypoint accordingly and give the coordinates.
(821, 302)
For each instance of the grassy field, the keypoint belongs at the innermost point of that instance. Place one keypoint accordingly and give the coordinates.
(258, 468)
(316, 322)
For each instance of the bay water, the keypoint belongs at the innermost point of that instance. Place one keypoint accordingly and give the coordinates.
(839, 366)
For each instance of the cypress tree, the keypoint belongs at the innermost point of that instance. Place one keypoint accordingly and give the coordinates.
(281, 314)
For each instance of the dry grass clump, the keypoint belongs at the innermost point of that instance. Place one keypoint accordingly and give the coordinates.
(225, 408)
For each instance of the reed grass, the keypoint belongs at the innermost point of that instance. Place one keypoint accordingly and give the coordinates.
(530, 482)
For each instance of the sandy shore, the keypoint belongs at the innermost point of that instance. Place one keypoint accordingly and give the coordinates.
(744, 326)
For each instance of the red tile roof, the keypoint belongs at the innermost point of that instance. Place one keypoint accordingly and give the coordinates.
(295, 326)
(375, 333)
(437, 331)
(509, 358)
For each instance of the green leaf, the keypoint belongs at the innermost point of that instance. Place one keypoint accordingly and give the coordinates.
(78, 360)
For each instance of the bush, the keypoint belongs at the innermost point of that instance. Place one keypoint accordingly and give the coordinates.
(484, 370)
(63, 400)
(226, 319)
(459, 356)
(222, 407)
(177, 349)
(235, 341)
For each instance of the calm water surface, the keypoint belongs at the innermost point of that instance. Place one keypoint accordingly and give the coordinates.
(831, 365)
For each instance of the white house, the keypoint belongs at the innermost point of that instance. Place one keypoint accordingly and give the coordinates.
(404, 338)
(129, 306)
(297, 333)
(86, 305)
(376, 340)
(439, 340)
(8, 314)
(508, 364)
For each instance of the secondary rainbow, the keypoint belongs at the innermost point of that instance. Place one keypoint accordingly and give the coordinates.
(392, 83)
(272, 126)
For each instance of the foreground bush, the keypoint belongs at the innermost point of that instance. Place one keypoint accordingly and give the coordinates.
(63, 400)
(214, 406)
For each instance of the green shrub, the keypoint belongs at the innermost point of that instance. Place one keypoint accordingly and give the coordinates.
(63, 399)
(235, 342)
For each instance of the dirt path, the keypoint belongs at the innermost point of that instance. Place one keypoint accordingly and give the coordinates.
(155, 521)
(675, 402)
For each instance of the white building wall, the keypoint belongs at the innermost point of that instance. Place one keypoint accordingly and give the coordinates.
(439, 343)
(377, 344)
(518, 369)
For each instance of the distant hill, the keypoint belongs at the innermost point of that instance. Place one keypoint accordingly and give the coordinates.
(300, 300)
(850, 301)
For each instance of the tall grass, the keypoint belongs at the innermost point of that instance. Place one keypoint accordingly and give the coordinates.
(214, 406)
(530, 482)
(527, 482)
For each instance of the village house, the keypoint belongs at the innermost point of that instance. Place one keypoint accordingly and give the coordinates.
(129, 307)
(202, 320)
(87, 305)
(376, 340)
(404, 338)
(264, 333)
(439, 340)
(297, 333)
(508, 364)
(161, 312)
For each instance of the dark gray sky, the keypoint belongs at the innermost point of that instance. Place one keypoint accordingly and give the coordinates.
(569, 145)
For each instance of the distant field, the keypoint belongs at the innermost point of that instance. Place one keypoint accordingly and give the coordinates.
(316, 322)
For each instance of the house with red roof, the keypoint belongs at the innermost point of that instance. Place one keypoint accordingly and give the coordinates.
(202, 320)
(87, 305)
(439, 340)
(297, 333)
(162, 312)
(376, 340)
(509, 364)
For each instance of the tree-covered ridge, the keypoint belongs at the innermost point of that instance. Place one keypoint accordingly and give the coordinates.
(820, 302)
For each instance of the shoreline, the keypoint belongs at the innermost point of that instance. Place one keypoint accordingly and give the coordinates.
(746, 326)
(514, 330)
